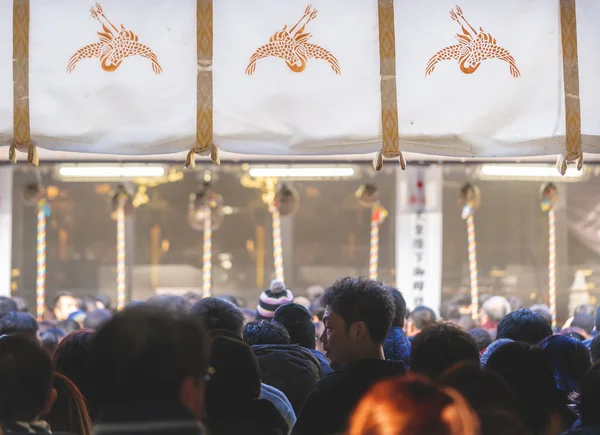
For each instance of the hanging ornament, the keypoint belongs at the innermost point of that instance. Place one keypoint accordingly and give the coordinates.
(367, 195)
(33, 193)
(205, 197)
(548, 201)
(470, 200)
(121, 197)
(286, 200)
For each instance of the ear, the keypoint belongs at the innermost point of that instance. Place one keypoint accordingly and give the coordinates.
(49, 402)
(191, 394)
(359, 332)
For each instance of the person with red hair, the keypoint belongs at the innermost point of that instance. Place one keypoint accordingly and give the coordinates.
(413, 405)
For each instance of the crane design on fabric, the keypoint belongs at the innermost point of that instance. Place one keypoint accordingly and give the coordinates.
(115, 45)
(473, 48)
(293, 47)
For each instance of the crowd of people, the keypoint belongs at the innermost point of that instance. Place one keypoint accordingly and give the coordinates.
(348, 359)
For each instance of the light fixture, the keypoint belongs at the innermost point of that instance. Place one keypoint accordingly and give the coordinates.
(302, 172)
(527, 172)
(93, 172)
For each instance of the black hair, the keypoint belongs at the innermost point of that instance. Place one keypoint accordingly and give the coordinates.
(423, 316)
(72, 358)
(60, 295)
(570, 360)
(217, 313)
(104, 300)
(590, 397)
(15, 322)
(143, 343)
(68, 326)
(595, 348)
(26, 378)
(482, 338)
(362, 300)
(7, 305)
(50, 338)
(173, 303)
(400, 305)
(95, 319)
(524, 325)
(265, 332)
(440, 346)
(528, 370)
(298, 322)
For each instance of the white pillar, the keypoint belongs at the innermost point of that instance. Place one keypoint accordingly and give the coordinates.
(419, 235)
(6, 191)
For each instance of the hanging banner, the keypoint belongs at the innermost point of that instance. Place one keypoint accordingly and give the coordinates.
(419, 236)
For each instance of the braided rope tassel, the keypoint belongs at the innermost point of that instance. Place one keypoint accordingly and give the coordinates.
(473, 274)
(277, 245)
(374, 245)
(121, 273)
(207, 254)
(40, 282)
(552, 263)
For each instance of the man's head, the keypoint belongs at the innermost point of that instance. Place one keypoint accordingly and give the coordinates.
(26, 379)
(440, 346)
(22, 305)
(358, 316)
(400, 304)
(64, 305)
(173, 303)
(584, 321)
(265, 332)
(525, 326)
(482, 338)
(493, 310)
(418, 319)
(298, 322)
(95, 319)
(7, 305)
(217, 313)
(19, 323)
(147, 354)
(544, 311)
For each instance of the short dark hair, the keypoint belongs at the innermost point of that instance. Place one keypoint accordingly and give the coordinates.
(95, 319)
(570, 360)
(15, 322)
(422, 316)
(61, 295)
(26, 379)
(142, 343)
(7, 305)
(217, 313)
(68, 326)
(298, 322)
(400, 304)
(439, 346)
(524, 325)
(482, 338)
(590, 397)
(265, 332)
(362, 300)
(173, 303)
(73, 359)
(50, 338)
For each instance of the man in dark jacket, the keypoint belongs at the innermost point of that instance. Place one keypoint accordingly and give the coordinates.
(299, 324)
(358, 316)
(397, 346)
(290, 368)
(151, 367)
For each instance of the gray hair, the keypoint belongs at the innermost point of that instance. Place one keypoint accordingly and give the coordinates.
(496, 308)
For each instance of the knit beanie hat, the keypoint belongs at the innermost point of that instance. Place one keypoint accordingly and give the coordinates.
(272, 298)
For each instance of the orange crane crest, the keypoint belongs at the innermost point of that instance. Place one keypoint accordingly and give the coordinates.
(115, 45)
(473, 48)
(293, 47)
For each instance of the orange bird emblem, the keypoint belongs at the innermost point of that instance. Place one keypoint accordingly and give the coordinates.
(473, 48)
(115, 45)
(293, 47)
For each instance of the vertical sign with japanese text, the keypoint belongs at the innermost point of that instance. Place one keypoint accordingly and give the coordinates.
(419, 235)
